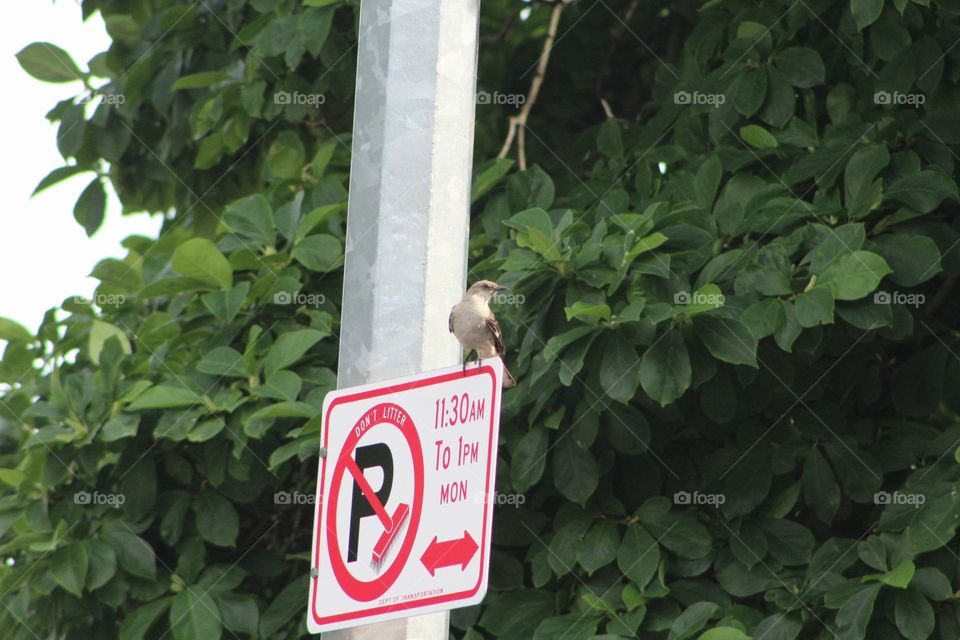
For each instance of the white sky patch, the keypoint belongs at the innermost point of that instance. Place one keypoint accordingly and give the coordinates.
(45, 256)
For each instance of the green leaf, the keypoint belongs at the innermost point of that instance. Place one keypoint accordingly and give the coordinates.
(543, 244)
(121, 426)
(788, 542)
(575, 472)
(285, 410)
(13, 331)
(749, 91)
(862, 193)
(820, 488)
(692, 619)
(599, 546)
(865, 12)
(199, 259)
(200, 80)
(801, 66)
(727, 339)
(289, 348)
(488, 176)
(320, 252)
(529, 459)
(90, 206)
(239, 613)
(49, 63)
(619, 373)
(222, 361)
(814, 307)
(758, 137)
(194, 616)
(529, 189)
(100, 332)
(730, 633)
(317, 217)
(103, 563)
(854, 615)
(225, 305)
(535, 218)
(315, 25)
(665, 371)
(210, 151)
(136, 625)
(587, 312)
(164, 397)
(854, 276)
(571, 626)
(778, 626)
(932, 584)
(282, 385)
(609, 140)
(781, 101)
(69, 566)
(322, 158)
(58, 175)
(914, 615)
(923, 191)
(914, 259)
(638, 556)
(901, 576)
(286, 156)
(12, 477)
(217, 519)
(135, 555)
(206, 430)
(837, 242)
(707, 182)
(648, 243)
(286, 605)
(252, 218)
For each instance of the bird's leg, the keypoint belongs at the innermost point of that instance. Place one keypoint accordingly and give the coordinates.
(465, 361)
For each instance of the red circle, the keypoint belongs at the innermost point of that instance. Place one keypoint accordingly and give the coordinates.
(369, 590)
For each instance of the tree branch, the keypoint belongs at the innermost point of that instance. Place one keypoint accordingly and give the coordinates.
(520, 121)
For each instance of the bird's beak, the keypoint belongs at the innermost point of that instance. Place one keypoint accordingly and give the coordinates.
(500, 287)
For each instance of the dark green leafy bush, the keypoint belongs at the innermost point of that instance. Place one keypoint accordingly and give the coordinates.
(733, 260)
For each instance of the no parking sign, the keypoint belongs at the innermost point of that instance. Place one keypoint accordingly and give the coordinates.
(405, 497)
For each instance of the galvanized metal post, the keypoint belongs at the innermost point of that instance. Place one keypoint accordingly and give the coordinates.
(408, 216)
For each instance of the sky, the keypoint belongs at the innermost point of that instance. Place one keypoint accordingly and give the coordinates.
(45, 256)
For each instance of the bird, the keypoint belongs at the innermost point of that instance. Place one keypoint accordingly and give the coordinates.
(475, 326)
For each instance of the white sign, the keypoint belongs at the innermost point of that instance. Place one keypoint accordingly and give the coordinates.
(405, 497)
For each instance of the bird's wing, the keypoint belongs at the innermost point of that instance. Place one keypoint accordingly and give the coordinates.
(450, 321)
(494, 328)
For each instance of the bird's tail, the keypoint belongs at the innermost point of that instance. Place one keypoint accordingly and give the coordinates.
(508, 380)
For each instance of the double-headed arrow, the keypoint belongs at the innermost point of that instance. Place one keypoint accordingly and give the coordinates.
(449, 553)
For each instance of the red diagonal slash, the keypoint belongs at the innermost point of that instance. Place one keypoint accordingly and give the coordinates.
(391, 525)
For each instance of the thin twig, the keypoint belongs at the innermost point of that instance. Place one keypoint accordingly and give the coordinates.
(606, 108)
(520, 120)
(505, 29)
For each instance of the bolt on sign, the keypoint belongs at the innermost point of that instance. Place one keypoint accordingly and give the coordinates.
(405, 497)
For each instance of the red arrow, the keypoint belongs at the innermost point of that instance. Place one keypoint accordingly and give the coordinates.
(450, 553)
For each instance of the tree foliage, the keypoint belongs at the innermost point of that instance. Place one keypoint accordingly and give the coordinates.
(732, 228)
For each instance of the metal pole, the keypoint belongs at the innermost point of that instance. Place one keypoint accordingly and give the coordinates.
(409, 207)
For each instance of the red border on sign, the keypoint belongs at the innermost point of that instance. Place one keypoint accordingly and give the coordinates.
(413, 604)
(372, 589)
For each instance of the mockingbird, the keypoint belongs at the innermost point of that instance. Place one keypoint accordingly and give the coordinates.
(475, 326)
